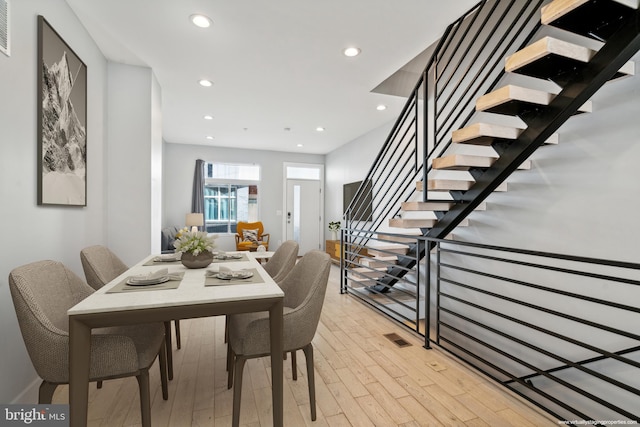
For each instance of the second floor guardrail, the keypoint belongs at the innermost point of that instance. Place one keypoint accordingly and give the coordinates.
(561, 331)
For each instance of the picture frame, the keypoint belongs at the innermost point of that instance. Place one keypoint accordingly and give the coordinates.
(62, 121)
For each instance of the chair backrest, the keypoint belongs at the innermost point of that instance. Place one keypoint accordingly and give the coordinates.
(304, 290)
(42, 292)
(100, 265)
(241, 226)
(282, 261)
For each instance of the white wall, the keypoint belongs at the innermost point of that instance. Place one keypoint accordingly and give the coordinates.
(580, 197)
(179, 165)
(134, 162)
(350, 163)
(32, 232)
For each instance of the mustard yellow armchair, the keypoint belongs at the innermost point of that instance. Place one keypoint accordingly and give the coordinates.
(250, 235)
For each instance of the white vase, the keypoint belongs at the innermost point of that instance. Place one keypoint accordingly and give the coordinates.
(334, 235)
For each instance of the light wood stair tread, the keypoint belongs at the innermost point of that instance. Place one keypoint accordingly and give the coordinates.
(558, 8)
(512, 99)
(374, 244)
(453, 185)
(412, 223)
(427, 206)
(466, 162)
(546, 57)
(546, 46)
(595, 19)
(462, 162)
(420, 223)
(379, 261)
(486, 134)
(370, 273)
(433, 206)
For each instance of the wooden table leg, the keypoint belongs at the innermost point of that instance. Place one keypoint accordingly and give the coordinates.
(277, 348)
(167, 340)
(79, 361)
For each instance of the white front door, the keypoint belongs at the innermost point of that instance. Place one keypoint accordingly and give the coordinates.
(303, 218)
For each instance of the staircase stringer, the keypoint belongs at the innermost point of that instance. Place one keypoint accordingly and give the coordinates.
(603, 66)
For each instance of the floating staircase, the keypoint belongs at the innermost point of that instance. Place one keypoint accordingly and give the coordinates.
(579, 69)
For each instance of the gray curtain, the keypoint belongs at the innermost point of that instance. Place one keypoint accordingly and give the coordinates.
(197, 197)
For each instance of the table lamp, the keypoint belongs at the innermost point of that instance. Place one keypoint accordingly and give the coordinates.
(194, 220)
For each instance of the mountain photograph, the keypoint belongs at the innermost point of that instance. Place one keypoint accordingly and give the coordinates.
(63, 137)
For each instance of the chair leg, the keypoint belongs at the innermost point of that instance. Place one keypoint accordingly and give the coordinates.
(294, 365)
(45, 392)
(99, 385)
(230, 360)
(167, 339)
(176, 325)
(145, 399)
(237, 390)
(226, 329)
(308, 354)
(162, 356)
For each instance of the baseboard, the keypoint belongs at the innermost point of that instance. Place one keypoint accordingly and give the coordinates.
(29, 394)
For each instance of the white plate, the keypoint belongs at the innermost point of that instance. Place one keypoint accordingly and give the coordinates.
(224, 257)
(242, 274)
(132, 281)
(165, 258)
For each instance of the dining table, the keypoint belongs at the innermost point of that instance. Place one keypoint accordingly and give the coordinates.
(191, 293)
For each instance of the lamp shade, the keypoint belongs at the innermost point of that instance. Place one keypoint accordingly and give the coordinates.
(194, 219)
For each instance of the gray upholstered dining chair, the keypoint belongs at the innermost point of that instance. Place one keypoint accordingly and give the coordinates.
(42, 292)
(304, 290)
(283, 260)
(278, 266)
(101, 266)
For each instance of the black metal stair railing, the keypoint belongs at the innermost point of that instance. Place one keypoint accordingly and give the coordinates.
(439, 120)
(559, 330)
(442, 100)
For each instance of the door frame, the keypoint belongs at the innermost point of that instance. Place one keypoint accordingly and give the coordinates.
(319, 166)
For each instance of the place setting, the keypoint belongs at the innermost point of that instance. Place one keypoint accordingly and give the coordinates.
(227, 276)
(229, 257)
(164, 259)
(156, 280)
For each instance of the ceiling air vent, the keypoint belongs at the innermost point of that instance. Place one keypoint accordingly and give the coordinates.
(4, 27)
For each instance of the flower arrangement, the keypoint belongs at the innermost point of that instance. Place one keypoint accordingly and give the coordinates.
(180, 232)
(334, 225)
(195, 242)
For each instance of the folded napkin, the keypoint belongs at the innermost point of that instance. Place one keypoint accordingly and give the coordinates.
(167, 257)
(154, 275)
(225, 271)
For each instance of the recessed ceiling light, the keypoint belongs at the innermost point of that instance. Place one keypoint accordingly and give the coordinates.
(299, 145)
(200, 21)
(351, 51)
(320, 129)
(209, 137)
(381, 107)
(206, 83)
(208, 117)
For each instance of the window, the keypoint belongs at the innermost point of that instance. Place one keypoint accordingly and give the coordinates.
(230, 195)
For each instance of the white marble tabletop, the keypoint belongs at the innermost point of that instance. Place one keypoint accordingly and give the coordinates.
(191, 290)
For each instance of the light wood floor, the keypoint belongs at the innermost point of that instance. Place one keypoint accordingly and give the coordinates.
(362, 379)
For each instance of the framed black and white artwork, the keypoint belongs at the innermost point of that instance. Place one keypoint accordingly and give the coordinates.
(62, 121)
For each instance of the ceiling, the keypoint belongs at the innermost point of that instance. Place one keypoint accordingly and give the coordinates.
(277, 65)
